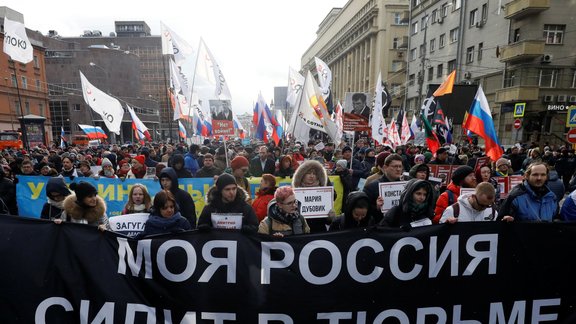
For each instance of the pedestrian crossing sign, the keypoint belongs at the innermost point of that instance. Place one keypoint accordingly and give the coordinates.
(571, 117)
(519, 109)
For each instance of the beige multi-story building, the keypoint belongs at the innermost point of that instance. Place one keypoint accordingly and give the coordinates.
(360, 40)
(518, 50)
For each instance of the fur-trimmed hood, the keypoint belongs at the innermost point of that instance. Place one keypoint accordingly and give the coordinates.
(77, 212)
(304, 168)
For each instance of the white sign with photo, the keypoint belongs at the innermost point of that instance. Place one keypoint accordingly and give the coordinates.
(315, 202)
(391, 192)
(227, 220)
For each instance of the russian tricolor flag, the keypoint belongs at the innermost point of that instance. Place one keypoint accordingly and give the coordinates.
(480, 122)
(181, 130)
(262, 119)
(93, 132)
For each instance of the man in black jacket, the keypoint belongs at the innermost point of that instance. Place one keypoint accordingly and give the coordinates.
(262, 164)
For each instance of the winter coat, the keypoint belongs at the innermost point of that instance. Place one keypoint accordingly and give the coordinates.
(525, 205)
(443, 201)
(183, 198)
(75, 213)
(346, 221)
(260, 204)
(568, 211)
(271, 225)
(8, 195)
(317, 225)
(191, 163)
(206, 172)
(467, 213)
(256, 169)
(400, 216)
(182, 172)
(214, 204)
(156, 224)
(372, 190)
(556, 185)
(53, 209)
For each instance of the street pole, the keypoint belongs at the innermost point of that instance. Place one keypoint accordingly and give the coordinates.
(23, 122)
(107, 88)
(422, 66)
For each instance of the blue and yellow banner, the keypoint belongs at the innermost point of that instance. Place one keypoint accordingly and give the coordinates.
(31, 191)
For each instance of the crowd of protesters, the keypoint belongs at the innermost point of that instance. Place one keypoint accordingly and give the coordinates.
(548, 175)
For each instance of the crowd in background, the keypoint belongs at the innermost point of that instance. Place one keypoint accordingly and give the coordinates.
(548, 174)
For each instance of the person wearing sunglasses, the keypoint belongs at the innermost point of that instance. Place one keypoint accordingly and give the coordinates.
(473, 207)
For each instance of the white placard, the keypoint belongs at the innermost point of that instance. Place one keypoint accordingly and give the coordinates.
(129, 224)
(391, 191)
(467, 190)
(421, 222)
(361, 184)
(316, 201)
(227, 221)
(319, 146)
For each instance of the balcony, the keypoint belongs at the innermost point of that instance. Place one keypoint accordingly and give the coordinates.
(521, 51)
(518, 9)
(517, 94)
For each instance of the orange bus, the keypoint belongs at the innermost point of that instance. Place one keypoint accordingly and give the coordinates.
(80, 140)
(11, 139)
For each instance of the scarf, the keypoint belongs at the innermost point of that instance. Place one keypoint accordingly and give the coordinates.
(139, 208)
(293, 219)
(139, 173)
(416, 211)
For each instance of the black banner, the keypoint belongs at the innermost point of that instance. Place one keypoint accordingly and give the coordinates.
(469, 273)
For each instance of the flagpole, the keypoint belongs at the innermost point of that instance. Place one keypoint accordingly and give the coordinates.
(22, 123)
(226, 151)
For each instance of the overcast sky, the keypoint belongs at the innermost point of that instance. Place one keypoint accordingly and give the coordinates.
(254, 41)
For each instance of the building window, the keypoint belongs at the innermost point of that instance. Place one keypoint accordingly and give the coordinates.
(442, 41)
(24, 82)
(554, 34)
(473, 17)
(444, 10)
(470, 54)
(76, 107)
(397, 18)
(432, 45)
(395, 42)
(36, 64)
(415, 28)
(41, 109)
(14, 83)
(439, 71)
(573, 79)
(412, 54)
(38, 86)
(480, 49)
(454, 35)
(422, 50)
(26, 108)
(548, 78)
(430, 73)
(451, 65)
(434, 16)
(411, 79)
(423, 22)
(456, 4)
(397, 66)
(510, 79)
(484, 12)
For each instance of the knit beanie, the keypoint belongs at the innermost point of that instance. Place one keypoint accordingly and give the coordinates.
(83, 189)
(419, 158)
(239, 162)
(502, 161)
(106, 162)
(427, 157)
(459, 174)
(270, 179)
(140, 158)
(223, 180)
(381, 158)
(342, 163)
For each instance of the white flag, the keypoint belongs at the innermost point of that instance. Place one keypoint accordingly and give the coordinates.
(174, 44)
(207, 68)
(378, 123)
(338, 113)
(16, 42)
(393, 136)
(324, 77)
(109, 108)
(295, 82)
(414, 125)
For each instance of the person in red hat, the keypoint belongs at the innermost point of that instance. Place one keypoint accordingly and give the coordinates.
(138, 170)
(240, 167)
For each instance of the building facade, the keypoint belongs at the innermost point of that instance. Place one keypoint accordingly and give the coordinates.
(517, 51)
(360, 40)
